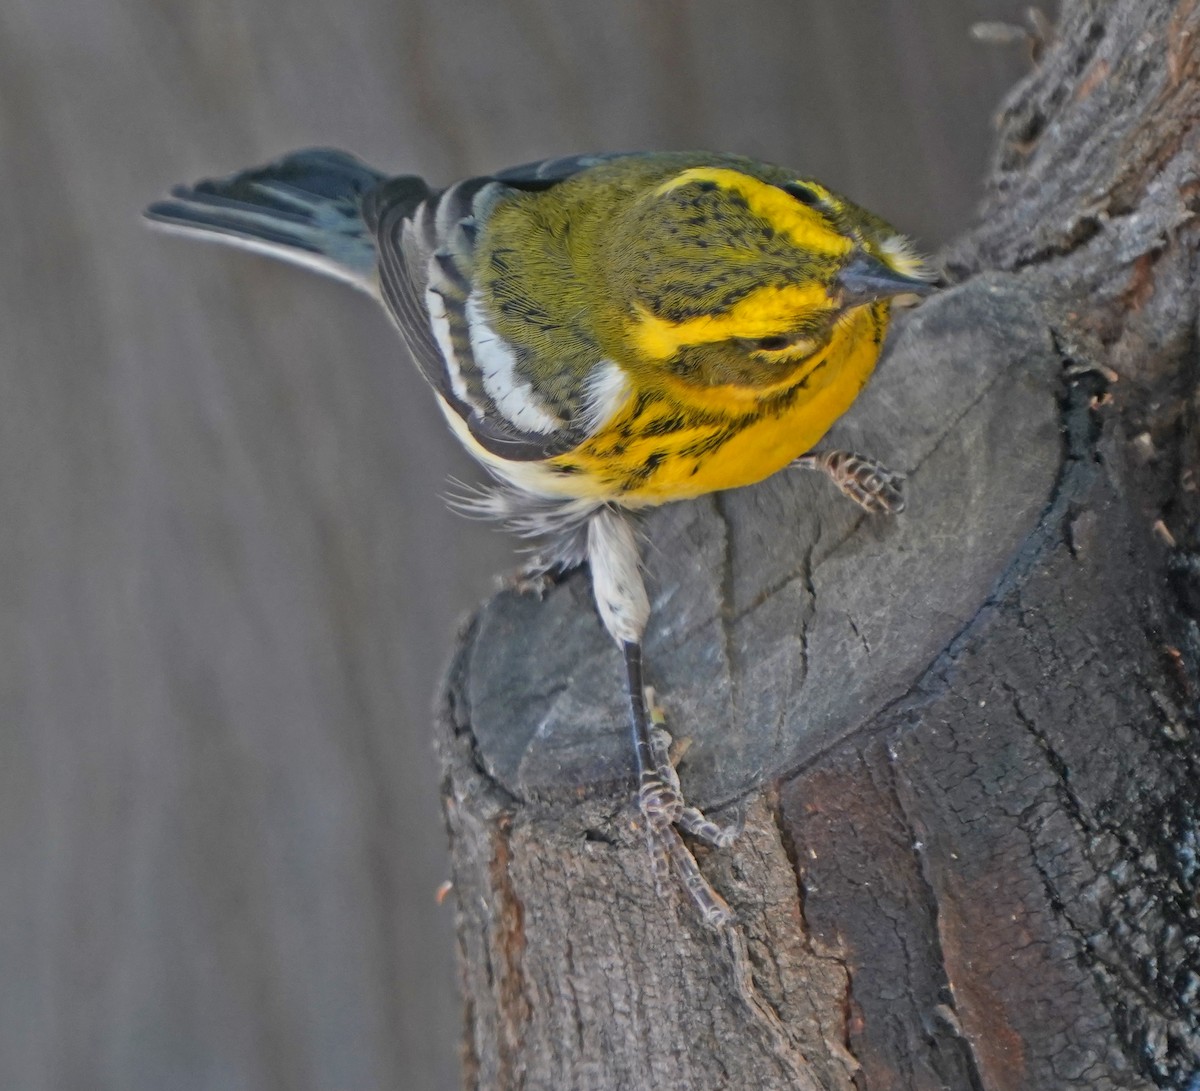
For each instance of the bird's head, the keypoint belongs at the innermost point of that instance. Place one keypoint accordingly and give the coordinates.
(740, 277)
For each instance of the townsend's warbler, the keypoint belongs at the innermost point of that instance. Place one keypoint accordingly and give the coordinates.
(604, 333)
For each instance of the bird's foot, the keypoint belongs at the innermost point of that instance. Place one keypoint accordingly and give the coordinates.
(665, 814)
(538, 575)
(870, 484)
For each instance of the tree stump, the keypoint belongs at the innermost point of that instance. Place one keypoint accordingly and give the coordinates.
(964, 740)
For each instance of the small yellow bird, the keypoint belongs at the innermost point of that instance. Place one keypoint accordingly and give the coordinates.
(605, 333)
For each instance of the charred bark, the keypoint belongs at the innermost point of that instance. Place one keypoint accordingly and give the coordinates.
(965, 740)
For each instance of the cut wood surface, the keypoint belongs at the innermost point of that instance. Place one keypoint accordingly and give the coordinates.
(964, 740)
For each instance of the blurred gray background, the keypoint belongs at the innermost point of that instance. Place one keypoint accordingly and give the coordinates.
(227, 583)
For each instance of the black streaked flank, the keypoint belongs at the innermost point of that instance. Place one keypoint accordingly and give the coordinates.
(643, 400)
(706, 445)
(664, 426)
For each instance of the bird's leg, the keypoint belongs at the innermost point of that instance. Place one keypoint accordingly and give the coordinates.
(659, 797)
(624, 608)
(869, 483)
(662, 805)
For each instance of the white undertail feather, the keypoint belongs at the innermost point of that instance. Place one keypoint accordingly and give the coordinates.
(525, 514)
(559, 527)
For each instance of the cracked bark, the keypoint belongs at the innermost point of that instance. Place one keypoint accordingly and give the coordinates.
(965, 740)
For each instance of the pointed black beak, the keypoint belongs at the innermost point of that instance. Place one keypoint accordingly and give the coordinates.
(864, 279)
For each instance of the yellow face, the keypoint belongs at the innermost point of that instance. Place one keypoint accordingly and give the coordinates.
(742, 281)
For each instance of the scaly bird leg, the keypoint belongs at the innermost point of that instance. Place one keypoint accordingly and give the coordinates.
(868, 483)
(659, 797)
(661, 803)
(625, 609)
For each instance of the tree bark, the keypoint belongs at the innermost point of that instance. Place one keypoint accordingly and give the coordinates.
(964, 740)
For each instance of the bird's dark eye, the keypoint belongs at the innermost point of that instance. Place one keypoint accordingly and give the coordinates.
(800, 343)
(806, 195)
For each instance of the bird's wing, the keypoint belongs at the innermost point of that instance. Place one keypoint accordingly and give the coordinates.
(520, 401)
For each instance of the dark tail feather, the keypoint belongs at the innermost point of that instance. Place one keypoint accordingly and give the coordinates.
(304, 208)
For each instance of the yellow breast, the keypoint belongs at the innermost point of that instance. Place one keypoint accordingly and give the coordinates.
(660, 447)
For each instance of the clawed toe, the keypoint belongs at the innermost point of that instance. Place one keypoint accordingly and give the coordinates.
(876, 489)
(870, 484)
(662, 806)
(668, 851)
(698, 825)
